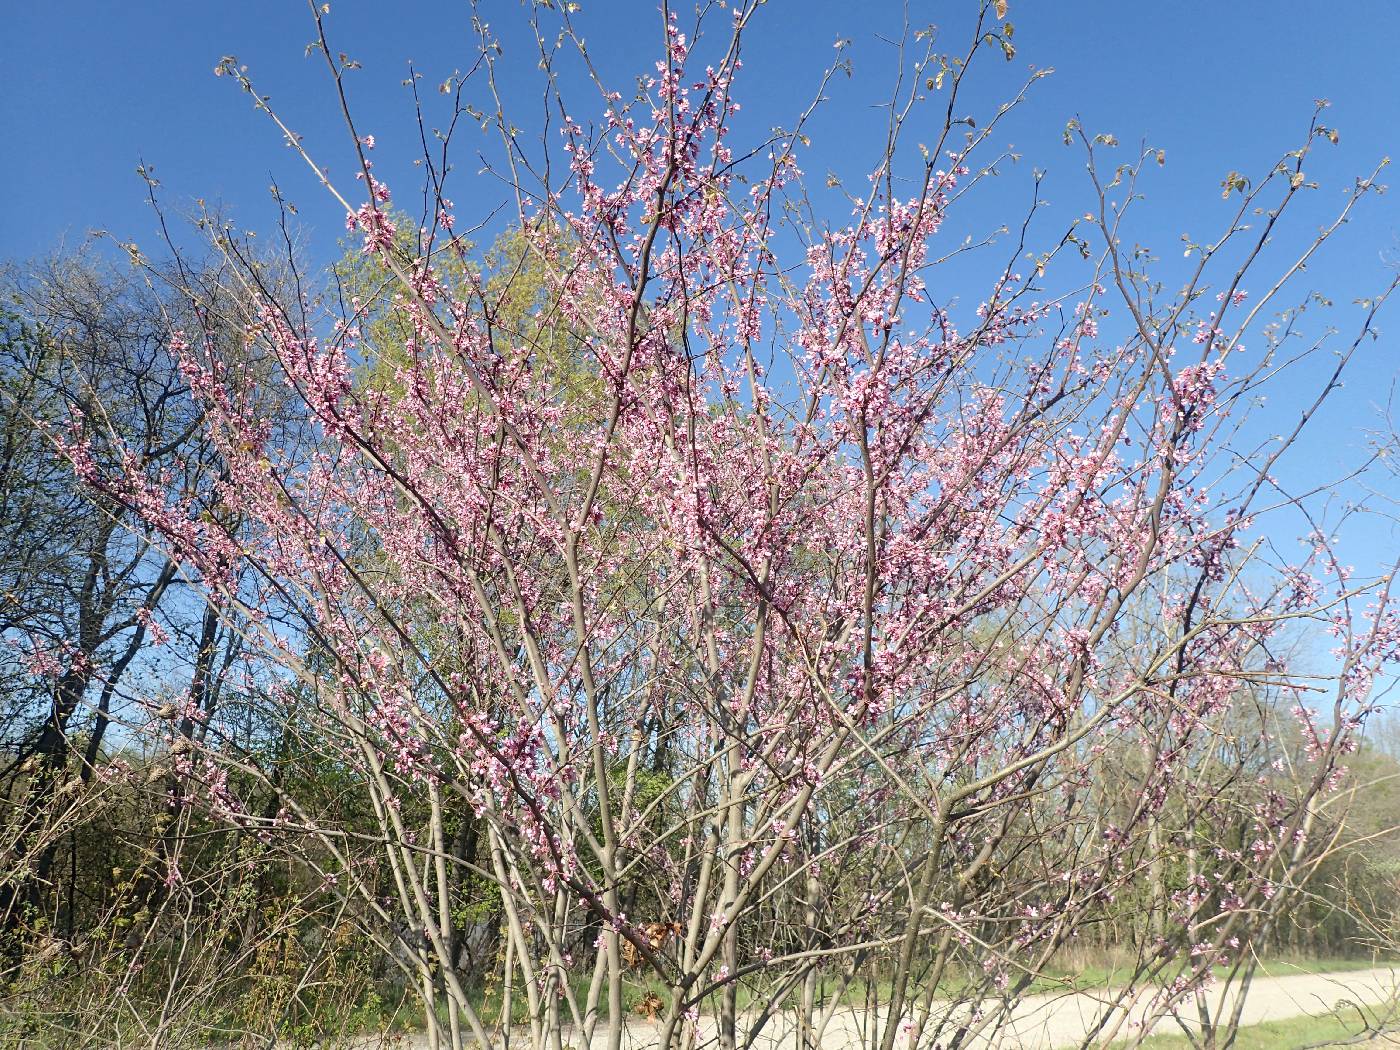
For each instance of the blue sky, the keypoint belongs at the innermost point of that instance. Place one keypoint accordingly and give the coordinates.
(90, 89)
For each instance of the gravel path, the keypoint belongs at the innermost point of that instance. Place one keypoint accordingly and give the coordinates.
(1052, 1021)
(1049, 1022)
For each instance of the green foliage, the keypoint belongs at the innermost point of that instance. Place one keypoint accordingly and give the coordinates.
(511, 284)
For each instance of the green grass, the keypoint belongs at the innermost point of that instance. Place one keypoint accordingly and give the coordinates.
(1284, 967)
(1275, 1035)
(1104, 974)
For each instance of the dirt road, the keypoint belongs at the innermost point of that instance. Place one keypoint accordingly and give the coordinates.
(1054, 1021)
(1051, 1021)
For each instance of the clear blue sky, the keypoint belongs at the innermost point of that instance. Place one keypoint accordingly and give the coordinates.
(90, 88)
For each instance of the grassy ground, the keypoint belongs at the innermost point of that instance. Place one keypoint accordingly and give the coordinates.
(404, 1016)
(1078, 975)
(1090, 972)
(1281, 1035)
(1100, 974)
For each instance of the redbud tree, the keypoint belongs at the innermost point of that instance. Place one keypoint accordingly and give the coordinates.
(781, 634)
